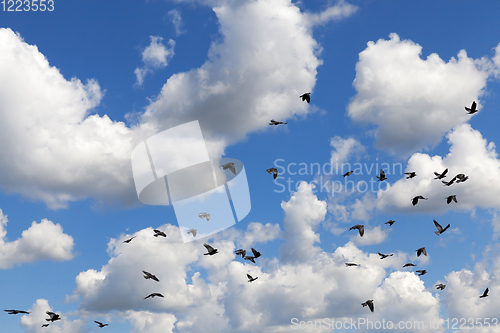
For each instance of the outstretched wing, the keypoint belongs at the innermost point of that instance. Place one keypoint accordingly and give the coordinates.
(209, 248)
(438, 226)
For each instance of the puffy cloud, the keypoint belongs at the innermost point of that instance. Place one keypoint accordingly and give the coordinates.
(41, 241)
(145, 321)
(32, 323)
(413, 102)
(344, 149)
(372, 236)
(154, 56)
(259, 233)
(338, 11)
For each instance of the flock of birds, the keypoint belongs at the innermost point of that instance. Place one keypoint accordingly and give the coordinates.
(53, 317)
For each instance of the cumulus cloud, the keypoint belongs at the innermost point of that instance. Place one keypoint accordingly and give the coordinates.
(155, 56)
(32, 323)
(338, 11)
(413, 102)
(372, 236)
(259, 233)
(41, 241)
(175, 17)
(344, 149)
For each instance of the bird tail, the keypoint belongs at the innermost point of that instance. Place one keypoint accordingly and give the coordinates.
(437, 233)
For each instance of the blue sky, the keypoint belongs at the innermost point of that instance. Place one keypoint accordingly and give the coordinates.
(84, 84)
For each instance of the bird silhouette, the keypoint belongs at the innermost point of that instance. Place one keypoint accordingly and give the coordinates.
(421, 272)
(256, 253)
(101, 325)
(391, 222)
(440, 286)
(350, 264)
(249, 258)
(240, 252)
(211, 250)
(440, 228)
(129, 240)
(348, 173)
(410, 174)
(472, 108)
(441, 175)
(461, 178)
(382, 176)
(159, 233)
(421, 251)
(485, 294)
(274, 122)
(451, 198)
(153, 295)
(273, 171)
(45, 325)
(414, 201)
(53, 316)
(148, 275)
(250, 278)
(383, 256)
(408, 265)
(204, 215)
(306, 97)
(450, 182)
(16, 311)
(360, 227)
(370, 304)
(193, 232)
(229, 166)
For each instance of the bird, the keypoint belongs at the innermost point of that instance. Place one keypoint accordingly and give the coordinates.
(101, 325)
(370, 304)
(408, 265)
(153, 295)
(53, 316)
(250, 278)
(45, 325)
(348, 173)
(274, 122)
(391, 222)
(273, 171)
(485, 294)
(306, 97)
(229, 166)
(461, 178)
(451, 198)
(360, 227)
(159, 233)
(410, 174)
(382, 176)
(414, 201)
(472, 108)
(204, 215)
(16, 311)
(256, 253)
(440, 286)
(349, 264)
(148, 275)
(440, 228)
(240, 251)
(129, 240)
(441, 175)
(421, 251)
(422, 272)
(249, 258)
(211, 250)
(193, 232)
(383, 256)
(450, 182)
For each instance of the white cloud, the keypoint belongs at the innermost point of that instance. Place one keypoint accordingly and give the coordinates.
(259, 233)
(344, 149)
(176, 18)
(154, 56)
(41, 241)
(33, 322)
(145, 321)
(339, 11)
(372, 236)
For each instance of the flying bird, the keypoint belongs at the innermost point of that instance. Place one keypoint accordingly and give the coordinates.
(408, 265)
(211, 250)
(204, 215)
(229, 166)
(129, 240)
(421, 251)
(240, 251)
(350, 264)
(383, 256)
(306, 97)
(274, 122)
(273, 171)
(391, 222)
(410, 174)
(451, 198)
(159, 233)
(461, 178)
(250, 278)
(256, 253)
(382, 176)
(450, 182)
(148, 275)
(370, 304)
(45, 325)
(472, 108)
(193, 232)
(101, 325)
(360, 227)
(485, 294)
(348, 173)
(414, 201)
(16, 311)
(249, 258)
(422, 272)
(153, 295)
(53, 316)
(440, 286)
(441, 175)
(440, 228)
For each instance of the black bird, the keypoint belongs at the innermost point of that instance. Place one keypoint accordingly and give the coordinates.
(441, 175)
(229, 166)
(348, 173)
(440, 228)
(159, 233)
(53, 316)
(485, 294)
(256, 253)
(408, 264)
(391, 222)
(450, 182)
(350, 264)
(16, 311)
(306, 97)
(422, 272)
(382, 176)
(383, 256)
(249, 258)
(211, 250)
(240, 251)
(101, 325)
(421, 251)
(204, 215)
(193, 232)
(370, 304)
(250, 278)
(472, 108)
(361, 229)
(45, 325)
(274, 122)
(414, 201)
(410, 174)
(440, 286)
(153, 295)
(451, 198)
(148, 275)
(461, 178)
(273, 171)
(129, 240)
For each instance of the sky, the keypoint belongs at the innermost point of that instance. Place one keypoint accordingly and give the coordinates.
(85, 83)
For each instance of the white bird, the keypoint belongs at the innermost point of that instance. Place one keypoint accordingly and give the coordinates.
(204, 215)
(229, 166)
(193, 232)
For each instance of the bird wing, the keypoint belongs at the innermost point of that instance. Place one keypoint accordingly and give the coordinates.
(249, 276)
(97, 322)
(473, 107)
(444, 173)
(382, 173)
(209, 248)
(438, 226)
(361, 230)
(370, 305)
(256, 253)
(424, 251)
